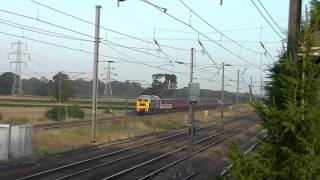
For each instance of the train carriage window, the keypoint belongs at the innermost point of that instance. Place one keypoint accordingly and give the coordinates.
(144, 100)
(139, 100)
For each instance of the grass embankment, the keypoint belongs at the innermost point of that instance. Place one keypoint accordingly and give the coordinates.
(31, 101)
(33, 115)
(29, 109)
(22, 115)
(52, 141)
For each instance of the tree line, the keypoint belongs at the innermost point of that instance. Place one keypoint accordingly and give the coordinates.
(69, 88)
(163, 85)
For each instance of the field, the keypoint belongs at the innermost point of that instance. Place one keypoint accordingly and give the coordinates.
(57, 140)
(16, 110)
(29, 101)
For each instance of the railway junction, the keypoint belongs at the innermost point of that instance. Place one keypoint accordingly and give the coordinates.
(164, 155)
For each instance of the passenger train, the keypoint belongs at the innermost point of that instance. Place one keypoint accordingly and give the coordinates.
(151, 104)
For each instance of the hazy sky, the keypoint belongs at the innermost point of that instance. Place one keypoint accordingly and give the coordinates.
(237, 19)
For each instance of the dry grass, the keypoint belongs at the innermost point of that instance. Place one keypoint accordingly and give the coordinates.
(21, 114)
(14, 115)
(51, 141)
(35, 115)
(18, 112)
(26, 97)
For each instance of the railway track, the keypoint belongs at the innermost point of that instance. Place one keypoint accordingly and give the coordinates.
(76, 123)
(162, 162)
(251, 148)
(147, 153)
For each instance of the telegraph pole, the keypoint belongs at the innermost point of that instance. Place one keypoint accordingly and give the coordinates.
(191, 66)
(59, 115)
(251, 89)
(108, 87)
(95, 76)
(292, 44)
(222, 92)
(261, 88)
(191, 114)
(237, 99)
(18, 69)
(293, 26)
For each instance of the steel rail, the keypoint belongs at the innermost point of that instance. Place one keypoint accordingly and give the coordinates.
(119, 159)
(225, 170)
(187, 156)
(108, 154)
(95, 158)
(42, 173)
(191, 175)
(174, 151)
(100, 121)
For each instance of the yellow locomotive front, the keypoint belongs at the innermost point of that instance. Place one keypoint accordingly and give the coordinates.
(148, 104)
(142, 105)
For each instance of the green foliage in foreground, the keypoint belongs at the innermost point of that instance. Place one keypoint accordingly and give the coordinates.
(291, 115)
(57, 113)
(75, 112)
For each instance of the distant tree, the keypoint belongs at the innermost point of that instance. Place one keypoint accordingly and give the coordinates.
(66, 85)
(163, 85)
(82, 87)
(29, 85)
(44, 88)
(6, 80)
(127, 89)
(122, 89)
(134, 89)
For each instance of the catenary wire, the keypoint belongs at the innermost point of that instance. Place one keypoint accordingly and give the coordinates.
(271, 18)
(83, 51)
(126, 34)
(41, 31)
(221, 33)
(135, 49)
(194, 39)
(266, 19)
(164, 10)
(108, 29)
(267, 52)
(74, 49)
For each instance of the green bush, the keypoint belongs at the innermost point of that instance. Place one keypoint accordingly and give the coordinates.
(75, 112)
(53, 113)
(1, 116)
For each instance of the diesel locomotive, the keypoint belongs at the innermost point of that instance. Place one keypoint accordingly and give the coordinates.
(151, 104)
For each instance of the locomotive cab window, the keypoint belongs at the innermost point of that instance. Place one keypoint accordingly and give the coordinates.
(142, 100)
